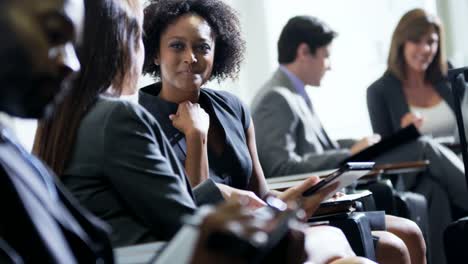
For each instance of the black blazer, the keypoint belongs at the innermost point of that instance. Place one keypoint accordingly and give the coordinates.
(387, 103)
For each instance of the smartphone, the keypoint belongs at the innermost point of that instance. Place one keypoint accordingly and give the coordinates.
(346, 175)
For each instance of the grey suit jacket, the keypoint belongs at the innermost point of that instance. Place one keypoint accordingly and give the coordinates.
(387, 103)
(290, 137)
(125, 172)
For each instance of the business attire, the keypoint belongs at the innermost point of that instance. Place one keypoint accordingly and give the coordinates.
(387, 104)
(234, 166)
(289, 141)
(41, 221)
(124, 171)
(290, 137)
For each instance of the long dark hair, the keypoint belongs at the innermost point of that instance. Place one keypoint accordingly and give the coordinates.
(110, 34)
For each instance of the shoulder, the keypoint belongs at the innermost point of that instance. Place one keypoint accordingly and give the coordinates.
(114, 112)
(220, 95)
(267, 89)
(276, 103)
(277, 95)
(230, 104)
(385, 84)
(107, 108)
(225, 99)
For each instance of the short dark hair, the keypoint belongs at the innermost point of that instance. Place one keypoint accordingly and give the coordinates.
(229, 50)
(303, 29)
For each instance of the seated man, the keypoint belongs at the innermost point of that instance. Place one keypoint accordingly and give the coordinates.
(290, 137)
(40, 223)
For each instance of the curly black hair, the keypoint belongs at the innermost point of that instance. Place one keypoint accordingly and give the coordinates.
(224, 22)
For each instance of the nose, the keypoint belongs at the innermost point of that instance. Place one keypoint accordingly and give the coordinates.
(328, 65)
(66, 60)
(190, 57)
(425, 47)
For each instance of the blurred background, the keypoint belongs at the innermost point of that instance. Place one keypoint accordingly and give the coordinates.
(358, 54)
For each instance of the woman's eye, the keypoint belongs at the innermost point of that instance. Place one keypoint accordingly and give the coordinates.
(205, 48)
(55, 37)
(56, 30)
(177, 46)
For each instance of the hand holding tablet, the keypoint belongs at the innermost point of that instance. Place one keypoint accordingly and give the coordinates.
(342, 177)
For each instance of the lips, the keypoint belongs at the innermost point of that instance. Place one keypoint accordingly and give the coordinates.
(189, 73)
(423, 59)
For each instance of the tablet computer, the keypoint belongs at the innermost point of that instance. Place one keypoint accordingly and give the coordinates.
(399, 138)
(346, 175)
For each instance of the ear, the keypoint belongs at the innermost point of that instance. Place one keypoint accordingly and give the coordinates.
(156, 60)
(302, 50)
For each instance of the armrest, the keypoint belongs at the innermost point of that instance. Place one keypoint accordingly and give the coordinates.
(402, 167)
(299, 177)
(284, 182)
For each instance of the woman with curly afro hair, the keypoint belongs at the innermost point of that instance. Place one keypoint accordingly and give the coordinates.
(189, 42)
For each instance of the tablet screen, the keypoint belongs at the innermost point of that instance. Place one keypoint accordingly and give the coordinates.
(345, 176)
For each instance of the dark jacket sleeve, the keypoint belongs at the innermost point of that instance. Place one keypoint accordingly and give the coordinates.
(140, 166)
(275, 124)
(207, 193)
(346, 142)
(379, 111)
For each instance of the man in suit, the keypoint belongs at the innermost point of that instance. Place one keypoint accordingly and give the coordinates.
(40, 221)
(290, 136)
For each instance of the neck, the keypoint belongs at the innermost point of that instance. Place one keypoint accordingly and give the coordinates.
(295, 69)
(415, 78)
(175, 95)
(5, 120)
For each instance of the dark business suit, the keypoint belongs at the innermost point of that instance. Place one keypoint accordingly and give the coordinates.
(387, 104)
(41, 222)
(290, 137)
(124, 171)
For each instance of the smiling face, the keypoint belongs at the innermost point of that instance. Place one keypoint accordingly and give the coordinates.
(420, 53)
(186, 54)
(40, 53)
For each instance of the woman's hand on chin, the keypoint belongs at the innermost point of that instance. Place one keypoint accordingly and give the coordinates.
(191, 119)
